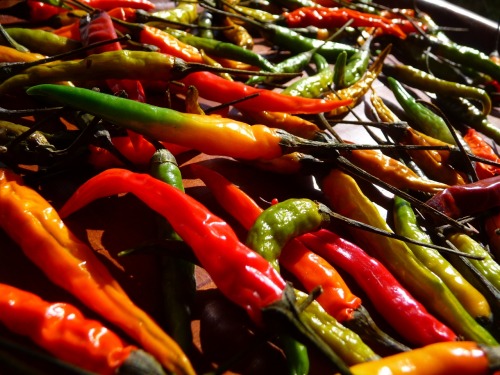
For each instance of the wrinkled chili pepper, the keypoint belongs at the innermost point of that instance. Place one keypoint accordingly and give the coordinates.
(62, 329)
(346, 198)
(427, 82)
(42, 41)
(405, 314)
(422, 117)
(445, 358)
(344, 341)
(241, 274)
(60, 255)
(336, 17)
(481, 148)
(312, 86)
(468, 199)
(405, 223)
(281, 223)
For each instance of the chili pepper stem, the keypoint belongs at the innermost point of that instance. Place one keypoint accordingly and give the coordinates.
(284, 315)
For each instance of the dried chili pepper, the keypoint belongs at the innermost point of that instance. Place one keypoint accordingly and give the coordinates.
(427, 82)
(481, 148)
(468, 199)
(422, 117)
(347, 199)
(336, 17)
(62, 329)
(242, 275)
(405, 223)
(445, 358)
(60, 255)
(405, 314)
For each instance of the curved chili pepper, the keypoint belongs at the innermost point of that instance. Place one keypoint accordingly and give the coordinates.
(42, 41)
(184, 12)
(481, 148)
(60, 255)
(62, 329)
(405, 223)
(468, 199)
(427, 82)
(241, 274)
(237, 34)
(405, 314)
(445, 358)
(422, 117)
(348, 71)
(344, 341)
(281, 223)
(324, 17)
(312, 86)
(347, 199)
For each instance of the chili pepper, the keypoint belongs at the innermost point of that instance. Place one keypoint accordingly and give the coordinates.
(242, 275)
(464, 55)
(347, 199)
(357, 90)
(175, 272)
(238, 34)
(446, 358)
(336, 17)
(9, 54)
(468, 199)
(314, 85)
(464, 112)
(349, 71)
(40, 11)
(425, 119)
(112, 4)
(224, 49)
(405, 314)
(481, 148)
(257, 14)
(405, 223)
(42, 41)
(184, 12)
(487, 266)
(64, 331)
(276, 227)
(344, 341)
(421, 80)
(491, 228)
(57, 252)
(434, 163)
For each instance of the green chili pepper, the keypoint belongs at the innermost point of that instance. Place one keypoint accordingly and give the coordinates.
(205, 19)
(425, 119)
(463, 55)
(427, 82)
(348, 71)
(41, 41)
(184, 12)
(281, 222)
(176, 272)
(223, 49)
(346, 198)
(313, 86)
(464, 112)
(405, 222)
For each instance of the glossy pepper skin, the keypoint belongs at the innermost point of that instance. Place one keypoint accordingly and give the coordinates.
(62, 329)
(402, 311)
(446, 358)
(60, 255)
(483, 149)
(347, 199)
(468, 199)
(42, 41)
(405, 223)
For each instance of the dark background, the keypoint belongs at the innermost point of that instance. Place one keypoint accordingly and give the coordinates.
(487, 8)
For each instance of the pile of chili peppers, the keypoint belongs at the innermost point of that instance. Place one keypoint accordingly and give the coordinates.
(297, 186)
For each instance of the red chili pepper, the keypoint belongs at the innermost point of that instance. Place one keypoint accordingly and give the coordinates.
(401, 310)
(40, 11)
(462, 200)
(62, 330)
(325, 17)
(242, 275)
(481, 148)
(213, 87)
(111, 4)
